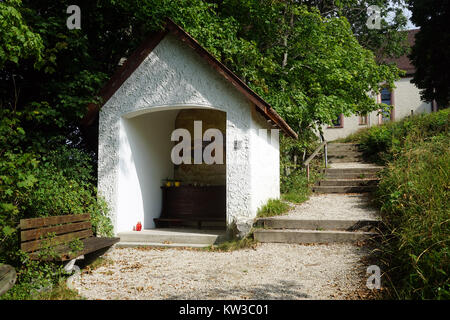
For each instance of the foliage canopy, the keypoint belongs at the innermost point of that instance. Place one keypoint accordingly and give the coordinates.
(304, 57)
(431, 51)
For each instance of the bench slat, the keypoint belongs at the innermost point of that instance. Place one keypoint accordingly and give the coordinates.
(35, 234)
(66, 228)
(95, 243)
(49, 221)
(90, 245)
(35, 245)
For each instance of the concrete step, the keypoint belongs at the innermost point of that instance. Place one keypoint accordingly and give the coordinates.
(310, 236)
(340, 154)
(366, 170)
(350, 176)
(340, 144)
(348, 182)
(345, 159)
(159, 245)
(315, 224)
(343, 189)
(343, 147)
(174, 236)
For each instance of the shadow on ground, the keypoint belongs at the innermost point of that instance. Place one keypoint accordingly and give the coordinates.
(284, 290)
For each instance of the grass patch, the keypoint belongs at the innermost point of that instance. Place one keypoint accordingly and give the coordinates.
(296, 197)
(296, 188)
(274, 207)
(413, 197)
(59, 292)
(235, 244)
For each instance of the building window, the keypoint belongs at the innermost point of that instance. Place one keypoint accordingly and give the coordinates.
(386, 98)
(363, 119)
(338, 122)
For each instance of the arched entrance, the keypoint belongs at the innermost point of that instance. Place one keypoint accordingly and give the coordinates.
(145, 165)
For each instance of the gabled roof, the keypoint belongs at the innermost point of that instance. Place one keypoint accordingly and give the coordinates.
(403, 62)
(138, 56)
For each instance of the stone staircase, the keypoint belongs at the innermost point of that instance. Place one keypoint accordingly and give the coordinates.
(348, 173)
(344, 152)
(289, 230)
(340, 194)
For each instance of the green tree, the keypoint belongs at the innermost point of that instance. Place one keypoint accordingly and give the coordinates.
(317, 68)
(431, 51)
(18, 40)
(384, 42)
(309, 66)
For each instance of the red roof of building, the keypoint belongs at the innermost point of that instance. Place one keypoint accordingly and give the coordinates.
(403, 62)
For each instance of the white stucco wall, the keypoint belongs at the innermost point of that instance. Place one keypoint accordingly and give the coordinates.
(144, 161)
(265, 163)
(406, 98)
(351, 125)
(173, 76)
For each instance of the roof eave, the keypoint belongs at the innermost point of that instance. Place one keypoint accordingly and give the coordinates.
(149, 44)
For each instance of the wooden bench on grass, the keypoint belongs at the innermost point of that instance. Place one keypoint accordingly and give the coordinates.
(57, 233)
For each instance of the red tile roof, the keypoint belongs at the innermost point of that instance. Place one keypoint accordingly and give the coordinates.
(403, 62)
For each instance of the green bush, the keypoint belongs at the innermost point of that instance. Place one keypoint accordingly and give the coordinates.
(41, 176)
(294, 185)
(57, 182)
(413, 196)
(383, 143)
(234, 244)
(33, 278)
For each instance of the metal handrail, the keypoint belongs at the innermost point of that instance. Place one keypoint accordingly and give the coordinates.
(314, 154)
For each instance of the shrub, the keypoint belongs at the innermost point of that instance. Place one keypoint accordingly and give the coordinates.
(383, 143)
(413, 196)
(234, 244)
(33, 279)
(38, 182)
(294, 185)
(55, 183)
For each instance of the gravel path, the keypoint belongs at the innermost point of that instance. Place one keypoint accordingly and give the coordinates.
(334, 207)
(268, 271)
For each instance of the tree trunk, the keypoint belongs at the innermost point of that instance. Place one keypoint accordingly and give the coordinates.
(286, 36)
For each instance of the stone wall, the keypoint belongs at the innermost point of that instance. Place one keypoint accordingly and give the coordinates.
(206, 174)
